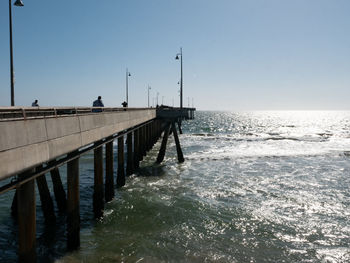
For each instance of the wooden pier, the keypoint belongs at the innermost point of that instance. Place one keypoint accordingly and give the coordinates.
(36, 141)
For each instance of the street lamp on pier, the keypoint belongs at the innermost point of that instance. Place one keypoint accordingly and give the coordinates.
(127, 85)
(17, 3)
(148, 89)
(179, 56)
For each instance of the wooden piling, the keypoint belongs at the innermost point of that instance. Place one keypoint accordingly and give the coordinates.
(26, 221)
(120, 172)
(140, 148)
(162, 150)
(109, 182)
(130, 157)
(73, 213)
(14, 208)
(46, 200)
(149, 140)
(136, 149)
(60, 194)
(179, 125)
(180, 155)
(153, 133)
(144, 141)
(98, 196)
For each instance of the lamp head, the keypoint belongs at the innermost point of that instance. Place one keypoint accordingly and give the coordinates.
(177, 57)
(129, 74)
(18, 3)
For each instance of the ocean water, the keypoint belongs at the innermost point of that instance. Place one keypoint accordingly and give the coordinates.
(254, 187)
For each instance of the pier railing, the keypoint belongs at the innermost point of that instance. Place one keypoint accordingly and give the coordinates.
(18, 113)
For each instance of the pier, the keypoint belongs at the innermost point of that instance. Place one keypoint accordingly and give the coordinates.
(36, 141)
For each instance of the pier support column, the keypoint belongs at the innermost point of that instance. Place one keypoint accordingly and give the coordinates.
(136, 149)
(109, 183)
(140, 149)
(179, 124)
(120, 172)
(130, 160)
(26, 221)
(152, 134)
(45, 198)
(149, 136)
(146, 139)
(143, 142)
(162, 150)
(14, 208)
(73, 213)
(98, 202)
(180, 155)
(60, 194)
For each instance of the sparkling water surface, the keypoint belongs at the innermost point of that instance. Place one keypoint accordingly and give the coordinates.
(255, 187)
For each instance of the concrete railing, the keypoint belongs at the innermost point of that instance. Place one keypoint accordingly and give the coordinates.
(43, 134)
(15, 113)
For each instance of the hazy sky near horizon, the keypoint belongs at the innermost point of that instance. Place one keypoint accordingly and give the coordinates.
(237, 54)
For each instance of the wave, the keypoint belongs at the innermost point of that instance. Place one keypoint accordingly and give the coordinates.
(249, 137)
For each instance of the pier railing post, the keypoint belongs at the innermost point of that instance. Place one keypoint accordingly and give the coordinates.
(120, 172)
(98, 202)
(26, 221)
(130, 158)
(109, 183)
(73, 211)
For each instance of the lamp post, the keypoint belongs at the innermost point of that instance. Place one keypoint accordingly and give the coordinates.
(148, 89)
(17, 3)
(157, 98)
(179, 56)
(127, 85)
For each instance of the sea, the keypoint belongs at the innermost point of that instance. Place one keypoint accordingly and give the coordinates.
(263, 186)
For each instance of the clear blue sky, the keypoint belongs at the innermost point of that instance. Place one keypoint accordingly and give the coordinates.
(238, 54)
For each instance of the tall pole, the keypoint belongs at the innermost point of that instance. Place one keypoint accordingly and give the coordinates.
(157, 98)
(148, 89)
(127, 84)
(11, 59)
(181, 86)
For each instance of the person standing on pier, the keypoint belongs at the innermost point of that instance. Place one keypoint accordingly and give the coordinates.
(98, 103)
(35, 104)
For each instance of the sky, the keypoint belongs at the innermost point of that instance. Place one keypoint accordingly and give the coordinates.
(237, 54)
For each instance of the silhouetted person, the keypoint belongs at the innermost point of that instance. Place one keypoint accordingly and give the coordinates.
(97, 103)
(35, 104)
